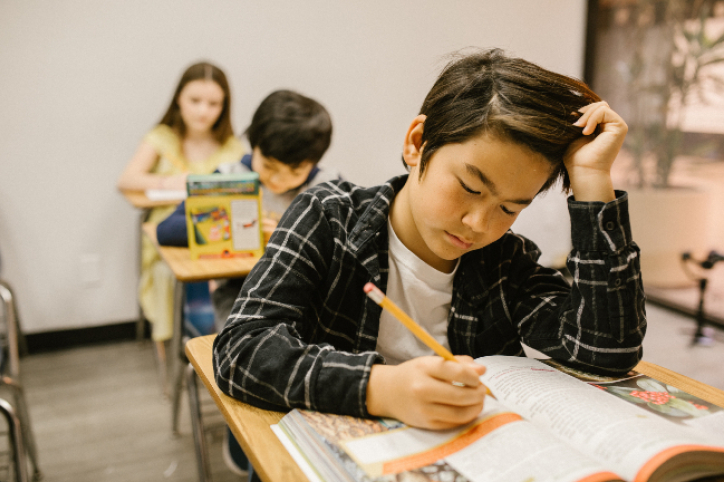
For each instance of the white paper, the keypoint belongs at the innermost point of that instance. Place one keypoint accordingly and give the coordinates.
(536, 456)
(245, 225)
(387, 446)
(514, 452)
(165, 195)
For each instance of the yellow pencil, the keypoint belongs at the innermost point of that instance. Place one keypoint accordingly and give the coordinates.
(381, 299)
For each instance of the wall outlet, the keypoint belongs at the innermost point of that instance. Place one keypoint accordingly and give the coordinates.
(90, 270)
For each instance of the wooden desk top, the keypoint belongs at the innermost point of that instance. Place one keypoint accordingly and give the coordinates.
(138, 199)
(272, 461)
(186, 269)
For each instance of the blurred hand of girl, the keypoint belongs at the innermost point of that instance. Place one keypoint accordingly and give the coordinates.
(177, 182)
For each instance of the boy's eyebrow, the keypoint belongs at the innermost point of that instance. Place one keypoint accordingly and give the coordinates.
(491, 185)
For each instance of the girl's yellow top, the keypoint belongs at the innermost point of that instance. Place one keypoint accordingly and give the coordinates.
(156, 284)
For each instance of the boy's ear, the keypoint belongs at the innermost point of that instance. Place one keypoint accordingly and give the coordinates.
(412, 147)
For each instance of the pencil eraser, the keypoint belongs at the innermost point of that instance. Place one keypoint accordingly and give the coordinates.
(374, 293)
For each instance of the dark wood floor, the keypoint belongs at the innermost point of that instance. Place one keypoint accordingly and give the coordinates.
(99, 414)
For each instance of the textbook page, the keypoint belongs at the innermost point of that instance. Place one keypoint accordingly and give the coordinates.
(622, 436)
(499, 446)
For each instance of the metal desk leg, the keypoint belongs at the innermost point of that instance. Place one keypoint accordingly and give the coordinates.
(197, 425)
(178, 357)
(141, 321)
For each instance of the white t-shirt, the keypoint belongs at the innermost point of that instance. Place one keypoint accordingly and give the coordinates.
(422, 292)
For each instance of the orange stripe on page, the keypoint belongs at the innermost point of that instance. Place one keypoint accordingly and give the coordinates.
(474, 434)
(601, 477)
(657, 460)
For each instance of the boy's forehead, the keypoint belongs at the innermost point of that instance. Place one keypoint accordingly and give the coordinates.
(270, 162)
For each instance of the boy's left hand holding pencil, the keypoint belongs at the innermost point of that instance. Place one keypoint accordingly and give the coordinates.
(427, 392)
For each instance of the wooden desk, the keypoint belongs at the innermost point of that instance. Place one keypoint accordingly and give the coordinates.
(272, 461)
(186, 269)
(138, 199)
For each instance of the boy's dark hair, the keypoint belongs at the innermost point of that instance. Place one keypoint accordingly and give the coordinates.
(222, 128)
(290, 128)
(510, 98)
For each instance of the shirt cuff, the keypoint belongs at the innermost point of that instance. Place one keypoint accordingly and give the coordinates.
(599, 226)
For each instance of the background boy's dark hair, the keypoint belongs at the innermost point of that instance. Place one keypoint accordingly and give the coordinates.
(201, 71)
(290, 128)
(510, 98)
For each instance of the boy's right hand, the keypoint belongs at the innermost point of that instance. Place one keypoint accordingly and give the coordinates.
(420, 392)
(268, 225)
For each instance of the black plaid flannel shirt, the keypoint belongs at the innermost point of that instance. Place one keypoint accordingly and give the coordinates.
(302, 332)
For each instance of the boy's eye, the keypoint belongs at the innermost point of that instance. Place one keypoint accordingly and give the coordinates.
(508, 211)
(467, 188)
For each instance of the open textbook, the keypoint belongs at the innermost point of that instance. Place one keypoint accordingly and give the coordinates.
(545, 425)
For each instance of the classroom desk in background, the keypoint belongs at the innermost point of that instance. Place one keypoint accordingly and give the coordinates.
(187, 270)
(138, 199)
(272, 462)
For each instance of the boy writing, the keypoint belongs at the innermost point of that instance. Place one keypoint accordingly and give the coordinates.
(493, 133)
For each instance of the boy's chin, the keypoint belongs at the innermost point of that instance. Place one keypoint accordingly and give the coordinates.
(277, 190)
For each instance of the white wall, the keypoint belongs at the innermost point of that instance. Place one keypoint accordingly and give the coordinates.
(82, 81)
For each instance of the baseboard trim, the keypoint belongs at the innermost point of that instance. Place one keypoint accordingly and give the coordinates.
(711, 319)
(63, 339)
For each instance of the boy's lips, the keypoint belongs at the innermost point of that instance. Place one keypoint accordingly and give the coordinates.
(459, 242)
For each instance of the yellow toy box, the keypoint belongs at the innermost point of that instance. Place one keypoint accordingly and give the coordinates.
(223, 215)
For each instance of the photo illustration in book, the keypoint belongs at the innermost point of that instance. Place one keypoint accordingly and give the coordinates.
(660, 398)
(211, 224)
(648, 393)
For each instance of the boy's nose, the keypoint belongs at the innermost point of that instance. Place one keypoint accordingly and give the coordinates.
(277, 178)
(478, 220)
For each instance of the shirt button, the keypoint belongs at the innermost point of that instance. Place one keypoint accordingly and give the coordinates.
(617, 282)
(610, 225)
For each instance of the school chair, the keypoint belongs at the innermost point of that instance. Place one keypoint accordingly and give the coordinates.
(20, 434)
